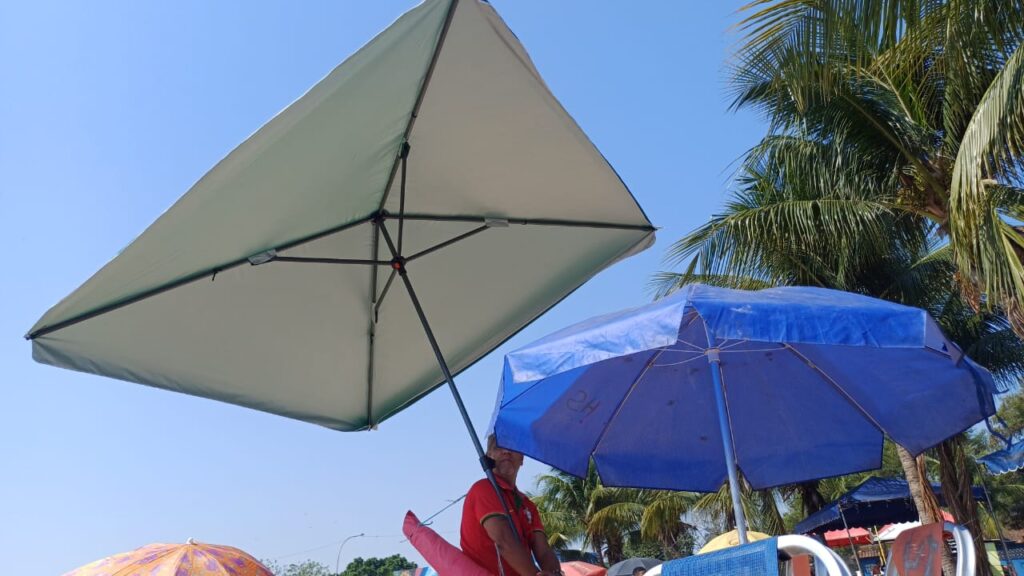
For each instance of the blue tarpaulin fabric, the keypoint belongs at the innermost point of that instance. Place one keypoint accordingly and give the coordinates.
(875, 502)
(813, 379)
(1009, 459)
(759, 558)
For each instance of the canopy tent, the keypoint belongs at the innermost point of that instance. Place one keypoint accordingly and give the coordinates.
(417, 207)
(1009, 459)
(875, 502)
(843, 538)
(889, 532)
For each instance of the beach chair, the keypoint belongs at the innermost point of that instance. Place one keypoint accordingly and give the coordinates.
(918, 551)
(759, 558)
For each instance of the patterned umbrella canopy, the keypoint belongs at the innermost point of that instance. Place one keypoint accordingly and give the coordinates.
(188, 559)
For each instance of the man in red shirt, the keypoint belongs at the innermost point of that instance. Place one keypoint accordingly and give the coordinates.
(485, 528)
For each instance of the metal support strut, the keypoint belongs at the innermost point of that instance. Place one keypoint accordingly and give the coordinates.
(730, 458)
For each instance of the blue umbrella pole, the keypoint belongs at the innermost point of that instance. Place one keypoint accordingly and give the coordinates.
(730, 458)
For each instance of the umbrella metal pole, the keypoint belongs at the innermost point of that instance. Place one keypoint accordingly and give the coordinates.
(730, 458)
(995, 519)
(856, 557)
(399, 265)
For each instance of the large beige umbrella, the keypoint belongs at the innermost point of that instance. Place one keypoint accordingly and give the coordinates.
(417, 207)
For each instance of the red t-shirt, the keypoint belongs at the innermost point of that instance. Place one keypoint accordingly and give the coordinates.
(482, 503)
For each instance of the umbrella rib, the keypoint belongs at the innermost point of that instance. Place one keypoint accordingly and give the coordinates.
(383, 293)
(530, 221)
(401, 202)
(749, 350)
(312, 260)
(209, 272)
(305, 260)
(419, 100)
(372, 329)
(695, 347)
(834, 385)
(625, 397)
(681, 361)
(446, 243)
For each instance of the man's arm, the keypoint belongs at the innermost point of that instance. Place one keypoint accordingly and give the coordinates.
(513, 551)
(543, 552)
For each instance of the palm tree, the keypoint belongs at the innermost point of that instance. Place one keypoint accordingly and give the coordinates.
(759, 506)
(582, 510)
(891, 165)
(926, 97)
(564, 502)
(662, 520)
(793, 192)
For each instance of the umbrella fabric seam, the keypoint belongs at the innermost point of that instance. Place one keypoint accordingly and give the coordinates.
(372, 328)
(123, 571)
(421, 94)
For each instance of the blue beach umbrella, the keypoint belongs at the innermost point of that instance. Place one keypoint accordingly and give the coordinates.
(802, 383)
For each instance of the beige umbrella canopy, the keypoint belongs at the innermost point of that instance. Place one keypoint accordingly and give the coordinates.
(730, 539)
(417, 207)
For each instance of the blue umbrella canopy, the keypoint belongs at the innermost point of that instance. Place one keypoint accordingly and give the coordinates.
(1009, 459)
(813, 379)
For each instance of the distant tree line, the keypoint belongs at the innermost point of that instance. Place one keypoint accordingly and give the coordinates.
(358, 567)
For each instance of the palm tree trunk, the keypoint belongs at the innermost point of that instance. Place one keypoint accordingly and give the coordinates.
(810, 497)
(955, 473)
(924, 499)
(615, 551)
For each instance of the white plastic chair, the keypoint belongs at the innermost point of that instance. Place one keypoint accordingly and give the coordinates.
(791, 546)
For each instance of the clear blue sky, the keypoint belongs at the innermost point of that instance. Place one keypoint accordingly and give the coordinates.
(109, 111)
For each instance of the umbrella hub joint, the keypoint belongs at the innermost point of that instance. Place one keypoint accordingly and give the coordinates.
(398, 264)
(712, 354)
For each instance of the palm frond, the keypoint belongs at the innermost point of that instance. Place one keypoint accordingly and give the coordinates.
(986, 248)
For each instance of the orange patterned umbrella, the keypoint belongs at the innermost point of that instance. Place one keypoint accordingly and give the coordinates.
(577, 568)
(188, 559)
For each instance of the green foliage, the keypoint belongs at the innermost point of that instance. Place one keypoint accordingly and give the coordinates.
(885, 118)
(613, 522)
(640, 548)
(307, 568)
(1011, 412)
(377, 566)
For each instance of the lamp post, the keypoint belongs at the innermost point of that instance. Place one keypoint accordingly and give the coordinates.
(337, 562)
